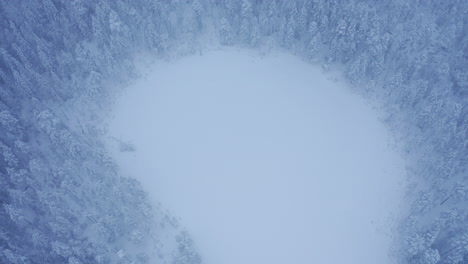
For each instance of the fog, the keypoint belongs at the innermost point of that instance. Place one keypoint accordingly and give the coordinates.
(263, 159)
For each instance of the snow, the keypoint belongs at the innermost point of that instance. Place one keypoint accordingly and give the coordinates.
(264, 159)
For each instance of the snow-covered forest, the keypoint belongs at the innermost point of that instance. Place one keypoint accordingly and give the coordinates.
(63, 63)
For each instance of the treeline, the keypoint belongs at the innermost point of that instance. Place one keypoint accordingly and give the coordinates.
(61, 196)
(62, 199)
(411, 57)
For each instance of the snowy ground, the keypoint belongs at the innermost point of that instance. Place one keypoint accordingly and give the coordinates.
(263, 159)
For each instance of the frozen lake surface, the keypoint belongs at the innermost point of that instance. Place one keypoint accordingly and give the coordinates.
(263, 159)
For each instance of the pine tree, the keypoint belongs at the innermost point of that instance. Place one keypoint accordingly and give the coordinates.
(225, 32)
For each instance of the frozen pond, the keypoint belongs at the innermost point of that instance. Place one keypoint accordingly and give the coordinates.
(264, 160)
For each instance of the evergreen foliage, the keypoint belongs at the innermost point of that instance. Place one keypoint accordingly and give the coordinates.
(61, 196)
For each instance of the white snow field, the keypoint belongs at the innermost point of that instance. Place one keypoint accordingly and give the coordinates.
(264, 159)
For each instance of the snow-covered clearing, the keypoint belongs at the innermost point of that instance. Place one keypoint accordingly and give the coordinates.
(264, 160)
